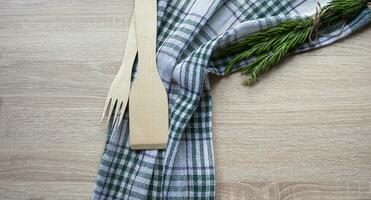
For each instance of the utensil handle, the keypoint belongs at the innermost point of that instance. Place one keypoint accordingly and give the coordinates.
(130, 48)
(146, 30)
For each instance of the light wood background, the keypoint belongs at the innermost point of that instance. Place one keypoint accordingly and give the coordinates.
(303, 132)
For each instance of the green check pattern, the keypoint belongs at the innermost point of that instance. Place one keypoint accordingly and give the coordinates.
(188, 33)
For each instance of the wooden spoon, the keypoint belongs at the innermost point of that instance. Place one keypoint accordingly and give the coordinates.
(148, 105)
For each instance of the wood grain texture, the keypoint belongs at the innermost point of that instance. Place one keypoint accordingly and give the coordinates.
(303, 132)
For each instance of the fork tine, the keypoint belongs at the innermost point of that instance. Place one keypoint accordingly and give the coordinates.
(117, 109)
(124, 106)
(113, 105)
(121, 114)
(106, 106)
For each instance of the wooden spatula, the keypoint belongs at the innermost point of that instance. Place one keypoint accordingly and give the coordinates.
(120, 87)
(148, 105)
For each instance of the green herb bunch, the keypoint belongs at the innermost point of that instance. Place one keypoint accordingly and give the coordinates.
(270, 46)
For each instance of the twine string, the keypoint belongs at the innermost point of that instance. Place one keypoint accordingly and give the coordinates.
(315, 33)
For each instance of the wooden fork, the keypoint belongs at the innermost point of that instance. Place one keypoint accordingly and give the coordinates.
(148, 106)
(118, 93)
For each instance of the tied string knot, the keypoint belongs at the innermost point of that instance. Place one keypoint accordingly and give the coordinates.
(314, 34)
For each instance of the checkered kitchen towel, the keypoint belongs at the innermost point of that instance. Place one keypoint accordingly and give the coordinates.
(189, 31)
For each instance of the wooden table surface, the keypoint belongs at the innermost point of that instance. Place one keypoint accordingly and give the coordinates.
(303, 132)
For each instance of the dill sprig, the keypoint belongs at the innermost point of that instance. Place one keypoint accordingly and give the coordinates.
(270, 46)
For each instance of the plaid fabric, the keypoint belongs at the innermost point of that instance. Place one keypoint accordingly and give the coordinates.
(189, 31)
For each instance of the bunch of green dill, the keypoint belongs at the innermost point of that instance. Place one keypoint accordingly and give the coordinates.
(270, 46)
